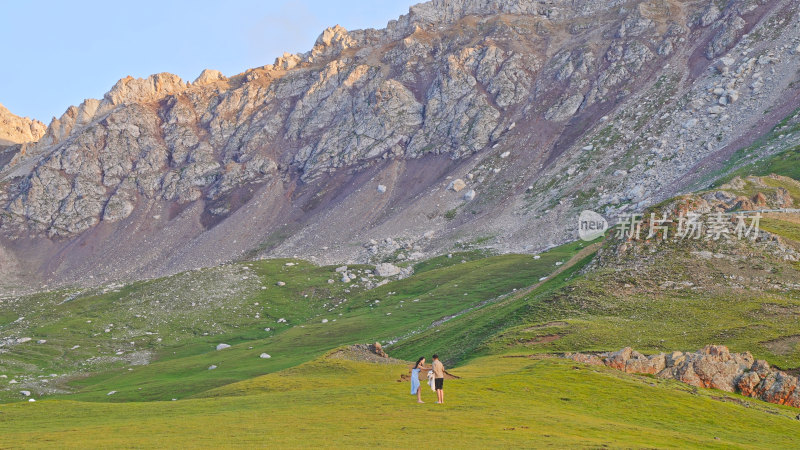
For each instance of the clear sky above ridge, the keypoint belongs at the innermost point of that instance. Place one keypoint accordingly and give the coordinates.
(55, 54)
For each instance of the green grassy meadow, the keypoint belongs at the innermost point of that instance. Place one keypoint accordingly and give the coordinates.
(498, 402)
(136, 365)
(182, 339)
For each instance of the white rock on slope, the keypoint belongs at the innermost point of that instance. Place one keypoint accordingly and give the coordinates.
(387, 270)
(457, 185)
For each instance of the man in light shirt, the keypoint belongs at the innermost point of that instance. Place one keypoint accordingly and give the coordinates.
(438, 375)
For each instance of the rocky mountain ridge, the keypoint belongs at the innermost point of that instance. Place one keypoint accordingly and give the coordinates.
(345, 153)
(18, 130)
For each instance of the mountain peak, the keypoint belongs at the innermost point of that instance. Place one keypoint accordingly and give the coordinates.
(155, 86)
(539, 108)
(209, 76)
(17, 130)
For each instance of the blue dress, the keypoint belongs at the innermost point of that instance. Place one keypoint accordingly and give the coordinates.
(414, 381)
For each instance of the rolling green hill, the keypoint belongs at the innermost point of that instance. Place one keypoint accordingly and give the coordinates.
(104, 364)
(167, 330)
(498, 402)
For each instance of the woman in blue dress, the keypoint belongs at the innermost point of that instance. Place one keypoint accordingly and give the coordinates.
(415, 385)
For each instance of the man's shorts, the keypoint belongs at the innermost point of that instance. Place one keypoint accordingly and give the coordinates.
(438, 382)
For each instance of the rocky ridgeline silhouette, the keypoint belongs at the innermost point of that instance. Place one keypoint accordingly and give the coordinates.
(542, 109)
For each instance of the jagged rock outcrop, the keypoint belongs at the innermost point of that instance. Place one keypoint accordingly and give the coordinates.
(712, 367)
(377, 349)
(18, 130)
(209, 76)
(278, 160)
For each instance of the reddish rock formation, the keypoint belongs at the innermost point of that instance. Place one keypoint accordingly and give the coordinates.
(712, 367)
(378, 350)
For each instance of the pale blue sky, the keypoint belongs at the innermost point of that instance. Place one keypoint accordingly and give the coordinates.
(57, 53)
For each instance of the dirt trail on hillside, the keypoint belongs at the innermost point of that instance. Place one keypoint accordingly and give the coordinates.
(571, 262)
(508, 298)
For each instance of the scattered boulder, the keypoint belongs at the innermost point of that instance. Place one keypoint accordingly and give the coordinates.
(212, 367)
(470, 195)
(457, 185)
(265, 356)
(280, 283)
(112, 393)
(565, 109)
(25, 393)
(386, 270)
(341, 269)
(377, 349)
(593, 360)
(223, 346)
(381, 188)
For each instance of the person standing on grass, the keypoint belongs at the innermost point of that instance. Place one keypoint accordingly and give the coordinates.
(415, 386)
(438, 374)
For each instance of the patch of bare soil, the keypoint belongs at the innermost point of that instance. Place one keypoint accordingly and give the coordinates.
(783, 346)
(731, 400)
(546, 339)
(546, 325)
(773, 310)
(363, 353)
(786, 217)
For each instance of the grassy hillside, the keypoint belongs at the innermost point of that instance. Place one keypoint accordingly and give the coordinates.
(166, 331)
(498, 402)
(103, 364)
(681, 303)
(662, 296)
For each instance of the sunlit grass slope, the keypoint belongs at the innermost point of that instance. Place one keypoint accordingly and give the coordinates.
(498, 402)
(180, 320)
